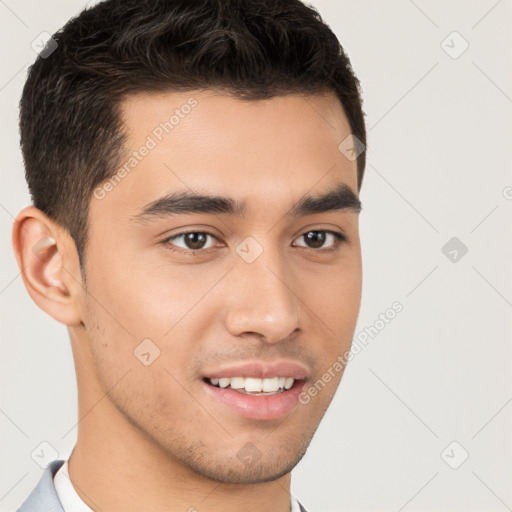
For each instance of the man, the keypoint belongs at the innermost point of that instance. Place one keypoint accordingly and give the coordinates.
(195, 170)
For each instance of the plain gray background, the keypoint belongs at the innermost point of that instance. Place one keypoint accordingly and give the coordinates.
(434, 385)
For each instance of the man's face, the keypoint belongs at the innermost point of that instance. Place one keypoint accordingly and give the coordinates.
(268, 293)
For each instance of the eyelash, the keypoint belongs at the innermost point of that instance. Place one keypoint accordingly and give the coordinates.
(339, 239)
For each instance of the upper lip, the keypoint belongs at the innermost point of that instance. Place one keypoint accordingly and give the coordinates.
(261, 370)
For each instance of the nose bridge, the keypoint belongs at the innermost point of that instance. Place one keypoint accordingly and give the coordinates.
(262, 300)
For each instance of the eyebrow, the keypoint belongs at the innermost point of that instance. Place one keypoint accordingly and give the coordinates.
(184, 203)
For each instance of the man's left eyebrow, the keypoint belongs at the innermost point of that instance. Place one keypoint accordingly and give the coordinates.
(341, 198)
(183, 203)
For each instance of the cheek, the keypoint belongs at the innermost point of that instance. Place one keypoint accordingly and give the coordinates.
(347, 294)
(144, 297)
(334, 300)
(134, 317)
(142, 374)
(333, 304)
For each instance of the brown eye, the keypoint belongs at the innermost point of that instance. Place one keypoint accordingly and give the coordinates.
(195, 240)
(316, 239)
(192, 241)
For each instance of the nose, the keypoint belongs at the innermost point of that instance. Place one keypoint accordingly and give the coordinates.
(261, 299)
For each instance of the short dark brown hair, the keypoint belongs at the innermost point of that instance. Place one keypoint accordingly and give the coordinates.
(70, 124)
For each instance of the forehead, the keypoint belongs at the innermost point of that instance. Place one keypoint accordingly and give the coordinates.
(265, 151)
(216, 115)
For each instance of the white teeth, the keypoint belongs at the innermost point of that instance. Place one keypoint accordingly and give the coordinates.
(237, 382)
(288, 383)
(270, 384)
(224, 382)
(255, 385)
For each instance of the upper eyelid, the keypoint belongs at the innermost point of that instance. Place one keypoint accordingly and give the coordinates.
(188, 232)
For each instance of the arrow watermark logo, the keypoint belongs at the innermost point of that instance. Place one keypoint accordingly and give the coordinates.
(455, 455)
(44, 45)
(249, 455)
(351, 147)
(146, 352)
(249, 249)
(454, 249)
(454, 45)
(43, 454)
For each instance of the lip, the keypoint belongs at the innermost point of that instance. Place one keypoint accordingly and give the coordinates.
(260, 370)
(257, 407)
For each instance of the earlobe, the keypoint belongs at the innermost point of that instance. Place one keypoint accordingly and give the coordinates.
(41, 248)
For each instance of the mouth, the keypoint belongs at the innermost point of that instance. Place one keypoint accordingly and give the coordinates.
(253, 386)
(257, 391)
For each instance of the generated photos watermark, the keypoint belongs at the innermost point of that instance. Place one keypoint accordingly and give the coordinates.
(151, 142)
(358, 344)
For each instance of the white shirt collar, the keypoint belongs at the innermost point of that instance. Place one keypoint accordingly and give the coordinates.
(295, 505)
(71, 501)
(69, 498)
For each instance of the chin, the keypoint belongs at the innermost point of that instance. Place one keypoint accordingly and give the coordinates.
(249, 465)
(257, 474)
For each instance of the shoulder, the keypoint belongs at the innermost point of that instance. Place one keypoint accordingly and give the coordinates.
(44, 496)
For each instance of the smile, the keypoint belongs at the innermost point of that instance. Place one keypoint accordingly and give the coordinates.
(256, 390)
(254, 386)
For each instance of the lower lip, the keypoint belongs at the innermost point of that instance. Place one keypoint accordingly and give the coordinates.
(258, 407)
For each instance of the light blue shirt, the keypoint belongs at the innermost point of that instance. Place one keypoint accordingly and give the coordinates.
(55, 493)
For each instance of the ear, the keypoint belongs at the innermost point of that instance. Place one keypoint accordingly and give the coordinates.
(48, 260)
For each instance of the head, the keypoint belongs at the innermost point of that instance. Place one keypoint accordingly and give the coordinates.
(223, 120)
